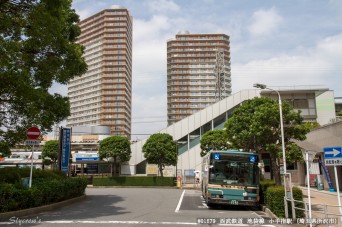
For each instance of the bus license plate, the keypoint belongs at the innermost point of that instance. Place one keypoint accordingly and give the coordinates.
(233, 202)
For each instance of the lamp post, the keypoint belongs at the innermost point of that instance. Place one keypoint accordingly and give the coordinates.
(263, 86)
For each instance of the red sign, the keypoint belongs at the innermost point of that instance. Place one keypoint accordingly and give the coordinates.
(33, 133)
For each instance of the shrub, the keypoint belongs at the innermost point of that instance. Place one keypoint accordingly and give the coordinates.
(14, 174)
(298, 195)
(47, 187)
(275, 201)
(9, 175)
(134, 181)
(7, 194)
(264, 184)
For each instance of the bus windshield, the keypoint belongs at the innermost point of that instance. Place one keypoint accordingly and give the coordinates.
(234, 170)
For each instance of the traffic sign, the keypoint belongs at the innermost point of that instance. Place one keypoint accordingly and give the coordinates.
(332, 152)
(33, 133)
(332, 156)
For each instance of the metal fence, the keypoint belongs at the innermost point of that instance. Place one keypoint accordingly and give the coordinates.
(321, 213)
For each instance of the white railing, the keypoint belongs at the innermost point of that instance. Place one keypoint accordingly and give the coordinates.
(321, 213)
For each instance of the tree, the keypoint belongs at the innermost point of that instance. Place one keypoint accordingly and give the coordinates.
(4, 149)
(214, 140)
(116, 148)
(160, 149)
(37, 49)
(255, 125)
(50, 152)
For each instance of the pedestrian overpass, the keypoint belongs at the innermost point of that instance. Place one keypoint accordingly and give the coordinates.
(188, 132)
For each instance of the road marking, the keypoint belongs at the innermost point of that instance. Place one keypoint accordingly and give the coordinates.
(257, 215)
(180, 202)
(203, 202)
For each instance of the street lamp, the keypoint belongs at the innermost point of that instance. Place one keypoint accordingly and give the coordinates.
(263, 86)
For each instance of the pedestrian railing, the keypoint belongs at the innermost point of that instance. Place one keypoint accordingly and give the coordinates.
(321, 213)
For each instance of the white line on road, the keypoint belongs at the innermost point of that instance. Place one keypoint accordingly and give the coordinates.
(203, 202)
(259, 216)
(180, 202)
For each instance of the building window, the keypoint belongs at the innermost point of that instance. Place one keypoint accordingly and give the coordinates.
(300, 104)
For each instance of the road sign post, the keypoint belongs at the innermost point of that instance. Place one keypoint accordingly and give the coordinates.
(308, 157)
(32, 134)
(333, 156)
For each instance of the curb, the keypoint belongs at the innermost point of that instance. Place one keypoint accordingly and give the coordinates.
(35, 210)
(268, 212)
(319, 191)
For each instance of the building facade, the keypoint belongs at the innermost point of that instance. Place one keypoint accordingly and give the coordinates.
(103, 95)
(198, 73)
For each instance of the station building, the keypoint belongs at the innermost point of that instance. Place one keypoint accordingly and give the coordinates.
(316, 104)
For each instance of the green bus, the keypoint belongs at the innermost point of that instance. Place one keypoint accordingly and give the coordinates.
(230, 177)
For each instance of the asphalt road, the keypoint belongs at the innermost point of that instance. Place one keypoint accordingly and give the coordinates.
(145, 207)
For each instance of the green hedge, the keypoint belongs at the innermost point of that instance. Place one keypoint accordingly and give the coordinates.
(11, 175)
(264, 184)
(134, 181)
(298, 195)
(275, 201)
(47, 187)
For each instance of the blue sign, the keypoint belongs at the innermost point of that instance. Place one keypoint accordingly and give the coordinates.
(332, 152)
(87, 159)
(252, 158)
(217, 156)
(66, 134)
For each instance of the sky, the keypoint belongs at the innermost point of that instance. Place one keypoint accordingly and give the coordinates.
(274, 42)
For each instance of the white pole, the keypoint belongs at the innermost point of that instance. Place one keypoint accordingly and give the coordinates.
(338, 191)
(30, 182)
(283, 151)
(308, 184)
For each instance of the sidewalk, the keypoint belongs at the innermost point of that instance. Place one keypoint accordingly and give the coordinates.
(324, 204)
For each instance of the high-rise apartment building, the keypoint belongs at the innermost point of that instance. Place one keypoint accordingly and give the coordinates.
(198, 73)
(103, 95)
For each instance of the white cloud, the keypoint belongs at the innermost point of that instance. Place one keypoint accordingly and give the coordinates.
(150, 29)
(264, 22)
(59, 88)
(315, 67)
(149, 115)
(163, 6)
(84, 13)
(149, 48)
(86, 8)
